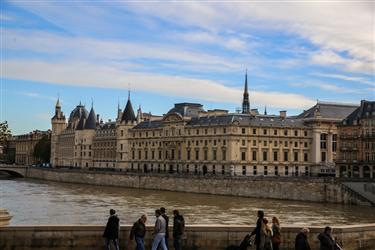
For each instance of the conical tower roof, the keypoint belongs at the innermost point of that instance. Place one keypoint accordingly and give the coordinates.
(128, 114)
(91, 120)
(81, 123)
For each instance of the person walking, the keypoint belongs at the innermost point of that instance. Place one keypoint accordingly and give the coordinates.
(327, 242)
(159, 231)
(276, 233)
(165, 216)
(257, 230)
(138, 232)
(301, 242)
(266, 236)
(111, 230)
(178, 229)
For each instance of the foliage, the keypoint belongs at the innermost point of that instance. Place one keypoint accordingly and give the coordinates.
(42, 149)
(5, 133)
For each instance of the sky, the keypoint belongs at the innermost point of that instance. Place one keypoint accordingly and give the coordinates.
(166, 52)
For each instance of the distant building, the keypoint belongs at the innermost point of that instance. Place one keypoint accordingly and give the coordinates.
(191, 140)
(357, 143)
(24, 146)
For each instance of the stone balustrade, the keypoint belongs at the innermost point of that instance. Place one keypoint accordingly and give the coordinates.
(197, 237)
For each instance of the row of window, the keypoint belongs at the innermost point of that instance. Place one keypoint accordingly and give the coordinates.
(173, 131)
(275, 156)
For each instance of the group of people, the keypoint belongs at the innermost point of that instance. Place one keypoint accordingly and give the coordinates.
(327, 241)
(138, 230)
(269, 237)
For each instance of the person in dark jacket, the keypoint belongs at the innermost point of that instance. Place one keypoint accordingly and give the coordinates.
(178, 229)
(257, 229)
(111, 230)
(301, 242)
(165, 216)
(138, 232)
(327, 242)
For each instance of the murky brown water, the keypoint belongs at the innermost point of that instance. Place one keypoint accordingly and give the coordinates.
(42, 202)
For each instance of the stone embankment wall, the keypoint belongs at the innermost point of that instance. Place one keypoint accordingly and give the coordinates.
(198, 237)
(289, 188)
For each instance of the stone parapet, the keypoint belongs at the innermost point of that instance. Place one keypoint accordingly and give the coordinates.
(197, 237)
(326, 190)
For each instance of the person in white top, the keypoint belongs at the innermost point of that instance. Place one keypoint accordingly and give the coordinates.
(159, 231)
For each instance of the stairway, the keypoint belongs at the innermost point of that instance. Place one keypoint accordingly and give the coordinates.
(364, 191)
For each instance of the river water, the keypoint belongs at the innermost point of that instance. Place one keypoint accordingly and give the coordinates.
(34, 202)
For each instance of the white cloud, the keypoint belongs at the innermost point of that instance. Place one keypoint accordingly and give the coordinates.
(345, 78)
(84, 74)
(81, 48)
(330, 58)
(329, 87)
(38, 96)
(230, 42)
(346, 27)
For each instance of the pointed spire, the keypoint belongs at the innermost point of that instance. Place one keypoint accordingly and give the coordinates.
(58, 105)
(245, 101)
(245, 82)
(265, 110)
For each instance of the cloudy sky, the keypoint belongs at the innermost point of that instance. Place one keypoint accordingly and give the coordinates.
(168, 52)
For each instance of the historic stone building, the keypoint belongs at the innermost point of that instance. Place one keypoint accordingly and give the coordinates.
(24, 146)
(191, 140)
(357, 143)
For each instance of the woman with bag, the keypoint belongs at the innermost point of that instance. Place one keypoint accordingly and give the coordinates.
(276, 234)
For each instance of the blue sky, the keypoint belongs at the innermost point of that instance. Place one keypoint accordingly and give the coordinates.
(170, 52)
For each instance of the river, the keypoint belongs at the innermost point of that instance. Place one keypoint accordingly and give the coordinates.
(34, 202)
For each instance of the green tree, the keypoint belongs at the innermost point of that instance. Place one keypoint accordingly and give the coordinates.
(5, 135)
(42, 149)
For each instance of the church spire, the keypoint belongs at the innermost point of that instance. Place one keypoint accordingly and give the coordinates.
(246, 102)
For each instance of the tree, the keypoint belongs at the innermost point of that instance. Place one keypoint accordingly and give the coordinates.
(5, 135)
(42, 149)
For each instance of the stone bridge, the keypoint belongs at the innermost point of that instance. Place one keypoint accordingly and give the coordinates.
(15, 171)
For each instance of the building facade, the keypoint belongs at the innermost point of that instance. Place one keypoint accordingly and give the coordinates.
(24, 146)
(191, 140)
(357, 143)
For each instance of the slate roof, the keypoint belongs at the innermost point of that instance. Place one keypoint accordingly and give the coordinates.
(240, 119)
(186, 109)
(329, 111)
(108, 125)
(91, 120)
(367, 109)
(78, 112)
(81, 123)
(128, 114)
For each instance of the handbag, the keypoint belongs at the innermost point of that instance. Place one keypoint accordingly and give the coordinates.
(276, 239)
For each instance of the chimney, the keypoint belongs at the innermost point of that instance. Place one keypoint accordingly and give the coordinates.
(283, 114)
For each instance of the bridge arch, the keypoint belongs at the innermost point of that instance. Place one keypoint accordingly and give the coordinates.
(14, 172)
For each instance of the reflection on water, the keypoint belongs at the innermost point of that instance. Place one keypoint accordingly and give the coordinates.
(42, 202)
